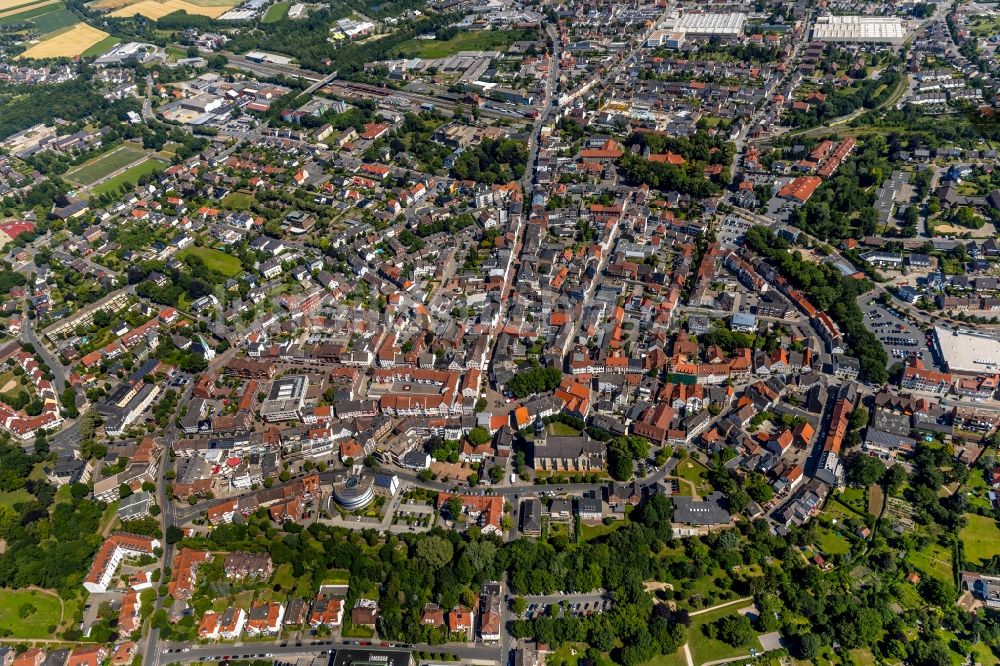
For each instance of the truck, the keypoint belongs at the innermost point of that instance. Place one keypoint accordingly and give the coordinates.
(513, 477)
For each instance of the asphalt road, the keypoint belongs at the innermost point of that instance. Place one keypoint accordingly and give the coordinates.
(170, 653)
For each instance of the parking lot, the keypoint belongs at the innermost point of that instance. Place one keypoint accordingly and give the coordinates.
(580, 609)
(900, 338)
(732, 231)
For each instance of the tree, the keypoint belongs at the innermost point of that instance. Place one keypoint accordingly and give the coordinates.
(435, 551)
(865, 470)
(453, 507)
(478, 436)
(937, 592)
(809, 646)
(736, 630)
(518, 606)
(174, 534)
(894, 478)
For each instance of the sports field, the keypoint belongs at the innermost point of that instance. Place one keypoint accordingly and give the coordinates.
(155, 9)
(276, 12)
(105, 164)
(68, 43)
(130, 175)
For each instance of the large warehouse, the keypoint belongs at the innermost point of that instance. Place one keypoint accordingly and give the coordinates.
(859, 29)
(706, 25)
(966, 352)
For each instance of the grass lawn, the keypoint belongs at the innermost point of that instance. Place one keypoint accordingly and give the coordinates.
(985, 26)
(705, 590)
(675, 659)
(215, 260)
(284, 576)
(356, 631)
(14, 497)
(704, 648)
(591, 532)
(853, 498)
(175, 53)
(908, 596)
(237, 201)
(109, 516)
(106, 163)
(130, 175)
(934, 560)
(981, 538)
(336, 577)
(863, 657)
(562, 430)
(832, 543)
(475, 40)
(839, 512)
(696, 473)
(570, 654)
(47, 613)
(276, 12)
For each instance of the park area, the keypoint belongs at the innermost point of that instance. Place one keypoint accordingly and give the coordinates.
(29, 613)
(106, 164)
(155, 9)
(215, 260)
(464, 41)
(67, 43)
(981, 539)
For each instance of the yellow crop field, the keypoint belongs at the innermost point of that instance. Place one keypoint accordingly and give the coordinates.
(69, 43)
(20, 7)
(155, 9)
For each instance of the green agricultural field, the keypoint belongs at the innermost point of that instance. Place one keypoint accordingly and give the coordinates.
(276, 12)
(41, 612)
(29, 14)
(215, 260)
(130, 175)
(105, 163)
(464, 41)
(981, 538)
(100, 47)
(54, 20)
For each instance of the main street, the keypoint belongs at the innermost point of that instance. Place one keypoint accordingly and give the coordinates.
(175, 652)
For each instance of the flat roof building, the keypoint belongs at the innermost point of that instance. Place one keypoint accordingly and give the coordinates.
(859, 29)
(708, 24)
(967, 352)
(285, 399)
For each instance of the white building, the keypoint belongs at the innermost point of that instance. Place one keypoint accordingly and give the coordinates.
(859, 29)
